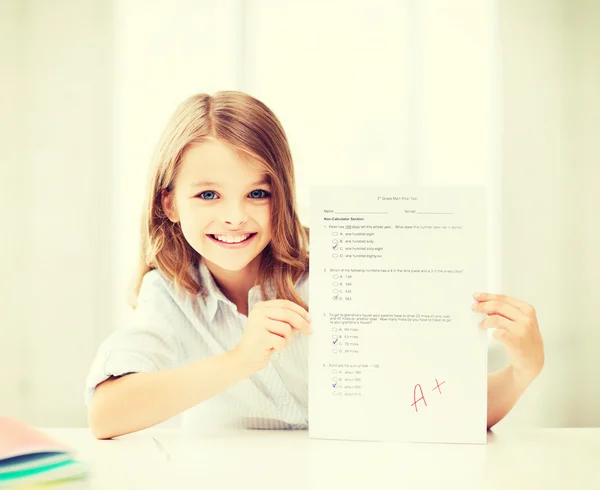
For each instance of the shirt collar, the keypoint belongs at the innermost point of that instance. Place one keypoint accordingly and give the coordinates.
(214, 295)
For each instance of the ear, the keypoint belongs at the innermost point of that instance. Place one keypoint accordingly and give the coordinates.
(169, 206)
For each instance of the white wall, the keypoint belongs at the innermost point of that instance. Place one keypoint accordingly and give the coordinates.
(536, 203)
(56, 169)
(550, 160)
(337, 74)
(14, 206)
(584, 167)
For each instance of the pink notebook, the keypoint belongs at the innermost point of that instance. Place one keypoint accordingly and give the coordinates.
(29, 456)
(19, 439)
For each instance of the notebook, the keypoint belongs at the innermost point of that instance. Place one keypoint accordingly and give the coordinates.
(30, 458)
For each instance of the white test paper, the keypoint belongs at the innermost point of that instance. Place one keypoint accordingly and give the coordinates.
(396, 351)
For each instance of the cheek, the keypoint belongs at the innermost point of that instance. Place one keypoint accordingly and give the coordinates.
(193, 223)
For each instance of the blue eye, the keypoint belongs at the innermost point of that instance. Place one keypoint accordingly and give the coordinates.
(207, 195)
(259, 194)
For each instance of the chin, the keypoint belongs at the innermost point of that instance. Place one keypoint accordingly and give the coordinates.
(232, 264)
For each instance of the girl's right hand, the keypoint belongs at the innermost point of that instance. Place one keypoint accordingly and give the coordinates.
(270, 327)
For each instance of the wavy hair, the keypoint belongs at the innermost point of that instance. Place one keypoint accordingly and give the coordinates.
(249, 127)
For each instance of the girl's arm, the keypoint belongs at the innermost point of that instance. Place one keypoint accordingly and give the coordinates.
(516, 327)
(140, 400)
(505, 388)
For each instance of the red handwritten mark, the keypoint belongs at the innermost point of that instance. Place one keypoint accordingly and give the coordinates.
(437, 385)
(414, 404)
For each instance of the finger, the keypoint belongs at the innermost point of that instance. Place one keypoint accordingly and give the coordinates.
(289, 316)
(281, 329)
(517, 303)
(284, 303)
(277, 343)
(499, 308)
(500, 322)
(505, 337)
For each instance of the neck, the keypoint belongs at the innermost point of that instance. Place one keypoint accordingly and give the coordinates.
(235, 285)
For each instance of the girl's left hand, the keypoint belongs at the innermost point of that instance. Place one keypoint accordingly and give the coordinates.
(517, 329)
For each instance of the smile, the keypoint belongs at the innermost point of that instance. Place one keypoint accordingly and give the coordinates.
(233, 241)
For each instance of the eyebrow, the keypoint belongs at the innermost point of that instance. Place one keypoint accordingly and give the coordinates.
(206, 183)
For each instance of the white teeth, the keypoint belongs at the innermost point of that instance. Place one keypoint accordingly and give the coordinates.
(231, 239)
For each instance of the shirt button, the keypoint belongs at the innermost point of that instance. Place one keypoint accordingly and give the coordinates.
(285, 400)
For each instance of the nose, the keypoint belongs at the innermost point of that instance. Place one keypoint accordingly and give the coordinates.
(235, 215)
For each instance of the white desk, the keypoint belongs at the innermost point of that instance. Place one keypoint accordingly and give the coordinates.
(534, 459)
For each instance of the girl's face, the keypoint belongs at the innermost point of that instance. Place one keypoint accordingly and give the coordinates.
(223, 204)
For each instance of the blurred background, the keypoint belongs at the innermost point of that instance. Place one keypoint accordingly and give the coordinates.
(498, 93)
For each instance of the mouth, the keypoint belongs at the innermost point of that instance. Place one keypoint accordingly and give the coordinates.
(232, 241)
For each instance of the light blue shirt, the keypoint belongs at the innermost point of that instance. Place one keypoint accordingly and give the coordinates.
(169, 330)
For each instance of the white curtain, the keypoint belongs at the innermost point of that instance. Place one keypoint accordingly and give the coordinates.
(434, 92)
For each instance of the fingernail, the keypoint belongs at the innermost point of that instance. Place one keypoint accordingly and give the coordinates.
(474, 306)
(309, 317)
(476, 295)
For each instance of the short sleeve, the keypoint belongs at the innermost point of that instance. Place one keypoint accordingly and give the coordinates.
(151, 342)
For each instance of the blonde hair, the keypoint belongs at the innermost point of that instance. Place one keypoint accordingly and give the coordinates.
(249, 127)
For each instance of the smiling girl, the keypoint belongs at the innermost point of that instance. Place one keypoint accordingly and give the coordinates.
(220, 324)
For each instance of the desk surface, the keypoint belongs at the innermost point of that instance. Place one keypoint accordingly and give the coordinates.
(512, 459)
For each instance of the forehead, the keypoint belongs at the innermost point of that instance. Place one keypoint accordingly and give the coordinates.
(216, 162)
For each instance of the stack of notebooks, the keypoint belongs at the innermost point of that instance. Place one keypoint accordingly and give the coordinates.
(30, 459)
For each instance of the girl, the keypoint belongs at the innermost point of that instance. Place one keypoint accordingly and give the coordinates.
(221, 323)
